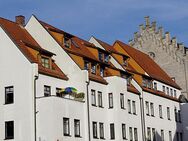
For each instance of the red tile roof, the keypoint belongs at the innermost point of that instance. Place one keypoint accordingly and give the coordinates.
(147, 64)
(23, 40)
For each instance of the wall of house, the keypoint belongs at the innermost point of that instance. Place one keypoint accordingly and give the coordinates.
(161, 123)
(51, 111)
(18, 72)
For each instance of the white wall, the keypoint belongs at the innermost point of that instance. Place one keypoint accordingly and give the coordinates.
(16, 71)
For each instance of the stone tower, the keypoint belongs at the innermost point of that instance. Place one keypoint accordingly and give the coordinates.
(164, 50)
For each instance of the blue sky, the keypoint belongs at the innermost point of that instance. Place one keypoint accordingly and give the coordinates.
(107, 20)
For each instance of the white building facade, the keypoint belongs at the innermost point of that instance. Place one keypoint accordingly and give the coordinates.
(33, 108)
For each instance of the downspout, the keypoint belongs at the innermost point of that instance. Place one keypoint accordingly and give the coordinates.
(88, 111)
(142, 117)
(35, 112)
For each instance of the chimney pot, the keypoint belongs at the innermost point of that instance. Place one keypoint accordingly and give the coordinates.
(20, 20)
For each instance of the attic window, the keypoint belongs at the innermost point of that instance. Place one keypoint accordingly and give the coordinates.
(102, 71)
(124, 61)
(67, 42)
(93, 68)
(106, 58)
(147, 83)
(86, 65)
(45, 62)
(101, 56)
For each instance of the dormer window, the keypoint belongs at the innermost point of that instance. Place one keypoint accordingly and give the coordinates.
(124, 61)
(93, 68)
(101, 56)
(106, 58)
(129, 81)
(45, 62)
(67, 42)
(147, 83)
(102, 71)
(155, 86)
(86, 65)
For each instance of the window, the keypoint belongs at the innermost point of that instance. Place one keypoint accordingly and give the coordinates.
(153, 134)
(66, 129)
(135, 134)
(58, 90)
(110, 97)
(134, 107)
(124, 131)
(167, 90)
(9, 130)
(162, 135)
(124, 61)
(93, 98)
(160, 111)
(100, 99)
(102, 71)
(181, 136)
(122, 101)
(155, 86)
(176, 115)
(112, 131)
(168, 113)
(45, 62)
(171, 92)
(67, 42)
(148, 134)
(129, 106)
(175, 93)
(94, 129)
(93, 68)
(106, 58)
(9, 95)
(170, 135)
(47, 90)
(101, 129)
(86, 65)
(177, 136)
(147, 108)
(130, 134)
(144, 82)
(101, 56)
(179, 115)
(163, 88)
(152, 109)
(77, 128)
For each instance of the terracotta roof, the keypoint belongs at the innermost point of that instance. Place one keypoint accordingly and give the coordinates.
(23, 40)
(147, 64)
(131, 88)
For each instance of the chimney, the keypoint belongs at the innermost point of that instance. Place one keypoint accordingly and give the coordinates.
(147, 21)
(174, 41)
(20, 20)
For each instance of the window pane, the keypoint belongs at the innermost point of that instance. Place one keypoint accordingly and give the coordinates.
(9, 130)
(94, 129)
(130, 134)
(134, 107)
(77, 128)
(135, 134)
(110, 96)
(101, 126)
(124, 131)
(112, 131)
(66, 130)
(148, 134)
(93, 98)
(122, 100)
(9, 95)
(100, 99)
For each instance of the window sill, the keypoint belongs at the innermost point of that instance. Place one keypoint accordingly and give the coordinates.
(100, 106)
(152, 116)
(8, 138)
(94, 105)
(123, 108)
(77, 136)
(134, 114)
(129, 112)
(67, 135)
(147, 115)
(102, 138)
(110, 107)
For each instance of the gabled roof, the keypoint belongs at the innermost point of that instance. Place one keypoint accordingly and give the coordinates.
(147, 64)
(24, 41)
